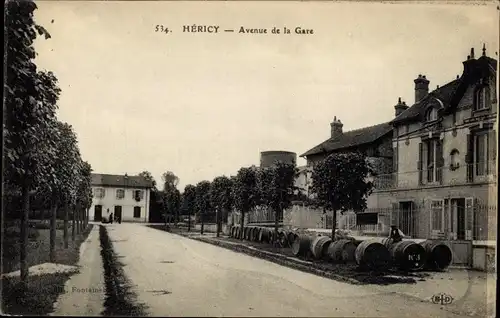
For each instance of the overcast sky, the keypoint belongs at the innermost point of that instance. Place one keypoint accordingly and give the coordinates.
(203, 105)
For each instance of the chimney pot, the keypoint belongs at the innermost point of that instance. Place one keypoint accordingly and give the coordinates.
(472, 53)
(335, 127)
(421, 87)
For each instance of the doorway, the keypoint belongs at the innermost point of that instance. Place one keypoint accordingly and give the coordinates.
(118, 212)
(137, 212)
(406, 220)
(98, 213)
(458, 218)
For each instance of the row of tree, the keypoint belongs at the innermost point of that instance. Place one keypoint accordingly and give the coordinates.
(41, 154)
(340, 182)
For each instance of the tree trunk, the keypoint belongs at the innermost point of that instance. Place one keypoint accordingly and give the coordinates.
(66, 219)
(53, 221)
(276, 222)
(242, 224)
(24, 234)
(334, 223)
(73, 223)
(189, 221)
(217, 228)
(202, 223)
(78, 219)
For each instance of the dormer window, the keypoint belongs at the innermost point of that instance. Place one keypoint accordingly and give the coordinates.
(432, 114)
(482, 98)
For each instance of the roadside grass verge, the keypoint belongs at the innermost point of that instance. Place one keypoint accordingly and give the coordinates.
(42, 290)
(120, 300)
(348, 273)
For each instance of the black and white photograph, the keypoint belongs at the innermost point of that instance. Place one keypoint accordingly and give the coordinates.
(250, 158)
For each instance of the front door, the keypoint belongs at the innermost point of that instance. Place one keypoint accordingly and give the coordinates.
(118, 212)
(458, 218)
(98, 213)
(137, 212)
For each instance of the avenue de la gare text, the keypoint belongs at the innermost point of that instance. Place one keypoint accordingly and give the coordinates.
(216, 29)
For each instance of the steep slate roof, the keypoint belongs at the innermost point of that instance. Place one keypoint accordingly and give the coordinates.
(451, 93)
(352, 138)
(112, 180)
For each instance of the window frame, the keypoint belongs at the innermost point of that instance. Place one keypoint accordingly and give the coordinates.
(430, 111)
(480, 164)
(482, 98)
(120, 191)
(99, 193)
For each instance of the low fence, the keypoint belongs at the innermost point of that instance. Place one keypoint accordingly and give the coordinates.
(452, 220)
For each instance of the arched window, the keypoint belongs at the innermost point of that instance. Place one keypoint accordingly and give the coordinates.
(482, 98)
(454, 159)
(432, 114)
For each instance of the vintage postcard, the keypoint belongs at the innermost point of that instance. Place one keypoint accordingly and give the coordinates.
(250, 158)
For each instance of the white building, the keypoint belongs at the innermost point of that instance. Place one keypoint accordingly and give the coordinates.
(303, 180)
(122, 195)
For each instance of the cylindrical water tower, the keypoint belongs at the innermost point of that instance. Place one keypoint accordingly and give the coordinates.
(268, 158)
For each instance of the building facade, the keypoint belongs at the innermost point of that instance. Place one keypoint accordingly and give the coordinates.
(435, 161)
(125, 196)
(444, 180)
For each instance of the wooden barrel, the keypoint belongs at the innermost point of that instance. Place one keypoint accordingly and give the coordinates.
(342, 251)
(264, 235)
(373, 255)
(284, 238)
(291, 237)
(319, 246)
(408, 255)
(301, 245)
(439, 255)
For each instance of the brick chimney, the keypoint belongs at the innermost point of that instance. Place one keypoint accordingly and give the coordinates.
(470, 63)
(400, 107)
(421, 87)
(336, 127)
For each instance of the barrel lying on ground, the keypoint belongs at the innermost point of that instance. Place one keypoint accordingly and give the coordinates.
(373, 255)
(264, 235)
(292, 236)
(319, 246)
(301, 245)
(406, 255)
(439, 255)
(342, 251)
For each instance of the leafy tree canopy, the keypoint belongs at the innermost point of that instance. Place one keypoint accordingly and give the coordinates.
(341, 183)
(245, 189)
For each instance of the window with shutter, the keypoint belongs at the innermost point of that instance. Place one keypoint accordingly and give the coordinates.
(469, 158)
(469, 218)
(419, 163)
(492, 152)
(480, 153)
(395, 214)
(439, 161)
(437, 219)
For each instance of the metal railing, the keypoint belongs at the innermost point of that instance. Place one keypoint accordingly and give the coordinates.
(447, 175)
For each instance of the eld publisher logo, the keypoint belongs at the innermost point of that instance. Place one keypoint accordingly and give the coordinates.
(442, 299)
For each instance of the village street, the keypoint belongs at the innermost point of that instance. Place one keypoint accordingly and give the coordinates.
(176, 276)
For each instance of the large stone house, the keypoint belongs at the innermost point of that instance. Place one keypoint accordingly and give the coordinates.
(122, 195)
(436, 160)
(444, 146)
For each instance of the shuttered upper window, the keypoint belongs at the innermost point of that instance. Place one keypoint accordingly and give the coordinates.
(482, 98)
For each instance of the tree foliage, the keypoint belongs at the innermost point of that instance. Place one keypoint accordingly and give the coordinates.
(203, 203)
(276, 186)
(340, 183)
(246, 195)
(170, 180)
(221, 195)
(149, 177)
(189, 199)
